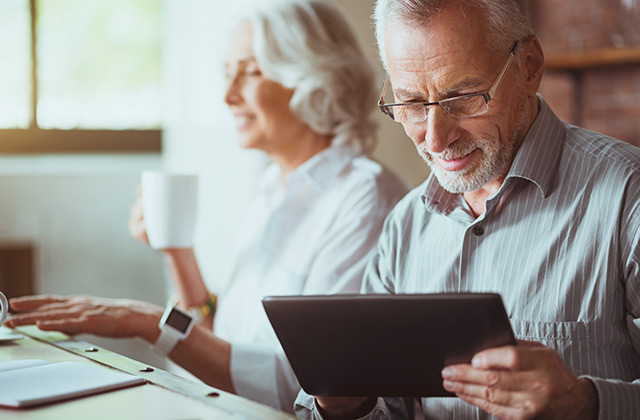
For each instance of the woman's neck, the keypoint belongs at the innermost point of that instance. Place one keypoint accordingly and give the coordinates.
(301, 148)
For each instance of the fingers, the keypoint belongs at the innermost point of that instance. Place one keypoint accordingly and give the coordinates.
(495, 409)
(67, 326)
(524, 381)
(29, 303)
(466, 373)
(521, 357)
(30, 318)
(464, 377)
(506, 390)
(32, 309)
(136, 221)
(499, 392)
(86, 314)
(102, 321)
(135, 214)
(50, 302)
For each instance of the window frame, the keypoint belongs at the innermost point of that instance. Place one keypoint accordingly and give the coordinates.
(34, 140)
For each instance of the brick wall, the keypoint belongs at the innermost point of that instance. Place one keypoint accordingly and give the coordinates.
(606, 98)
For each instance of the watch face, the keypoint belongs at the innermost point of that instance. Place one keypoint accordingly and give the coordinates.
(178, 320)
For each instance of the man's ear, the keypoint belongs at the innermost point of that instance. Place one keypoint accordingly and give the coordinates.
(533, 65)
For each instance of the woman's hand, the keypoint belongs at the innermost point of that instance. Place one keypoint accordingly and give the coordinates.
(136, 219)
(72, 315)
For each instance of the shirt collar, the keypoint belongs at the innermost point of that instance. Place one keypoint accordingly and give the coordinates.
(322, 168)
(536, 161)
(318, 171)
(539, 155)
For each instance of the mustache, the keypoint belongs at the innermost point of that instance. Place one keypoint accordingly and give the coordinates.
(458, 149)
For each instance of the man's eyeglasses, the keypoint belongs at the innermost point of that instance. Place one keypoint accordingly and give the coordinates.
(463, 106)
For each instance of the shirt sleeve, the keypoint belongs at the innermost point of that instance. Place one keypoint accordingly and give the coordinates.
(277, 381)
(383, 268)
(619, 399)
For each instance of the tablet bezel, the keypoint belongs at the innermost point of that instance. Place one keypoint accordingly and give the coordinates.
(383, 345)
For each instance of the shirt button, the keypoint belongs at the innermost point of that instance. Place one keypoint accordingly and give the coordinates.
(478, 230)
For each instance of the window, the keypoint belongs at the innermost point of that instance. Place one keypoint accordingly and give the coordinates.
(80, 76)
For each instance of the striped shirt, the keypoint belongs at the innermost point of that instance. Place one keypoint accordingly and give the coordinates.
(560, 241)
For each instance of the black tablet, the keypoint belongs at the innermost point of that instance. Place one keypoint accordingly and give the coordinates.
(384, 345)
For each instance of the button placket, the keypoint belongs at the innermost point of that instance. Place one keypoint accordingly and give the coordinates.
(478, 230)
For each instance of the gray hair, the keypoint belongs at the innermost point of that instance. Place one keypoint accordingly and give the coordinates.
(308, 46)
(508, 20)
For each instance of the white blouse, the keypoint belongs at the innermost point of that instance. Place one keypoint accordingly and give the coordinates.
(313, 235)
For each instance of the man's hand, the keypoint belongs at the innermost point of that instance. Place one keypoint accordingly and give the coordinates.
(84, 314)
(522, 382)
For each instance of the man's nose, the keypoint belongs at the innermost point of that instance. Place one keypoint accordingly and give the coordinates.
(442, 129)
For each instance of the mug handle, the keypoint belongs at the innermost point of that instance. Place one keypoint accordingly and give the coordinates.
(4, 309)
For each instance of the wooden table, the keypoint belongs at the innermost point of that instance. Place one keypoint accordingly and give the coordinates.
(164, 396)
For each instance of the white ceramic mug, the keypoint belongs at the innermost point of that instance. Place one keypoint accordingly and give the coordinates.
(4, 308)
(169, 208)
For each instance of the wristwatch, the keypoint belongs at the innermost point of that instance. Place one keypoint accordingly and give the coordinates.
(175, 325)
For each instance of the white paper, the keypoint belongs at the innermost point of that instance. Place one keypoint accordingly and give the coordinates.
(22, 363)
(43, 383)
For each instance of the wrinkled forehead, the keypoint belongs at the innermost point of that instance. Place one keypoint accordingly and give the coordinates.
(454, 39)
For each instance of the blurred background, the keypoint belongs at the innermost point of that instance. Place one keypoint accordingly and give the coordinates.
(94, 92)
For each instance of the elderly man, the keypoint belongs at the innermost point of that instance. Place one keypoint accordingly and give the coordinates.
(519, 203)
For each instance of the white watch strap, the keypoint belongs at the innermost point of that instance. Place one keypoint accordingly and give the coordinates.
(166, 341)
(175, 325)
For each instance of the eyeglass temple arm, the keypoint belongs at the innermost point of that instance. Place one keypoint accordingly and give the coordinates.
(498, 81)
(383, 90)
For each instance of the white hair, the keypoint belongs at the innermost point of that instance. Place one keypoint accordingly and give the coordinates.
(308, 46)
(508, 20)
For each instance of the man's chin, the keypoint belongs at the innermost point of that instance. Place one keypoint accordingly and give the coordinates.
(458, 183)
(455, 187)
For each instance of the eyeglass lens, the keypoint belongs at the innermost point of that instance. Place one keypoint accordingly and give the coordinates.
(464, 106)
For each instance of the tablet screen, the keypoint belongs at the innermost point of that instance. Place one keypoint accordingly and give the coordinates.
(384, 345)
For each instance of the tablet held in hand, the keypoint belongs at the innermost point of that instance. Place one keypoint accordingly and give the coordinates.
(384, 345)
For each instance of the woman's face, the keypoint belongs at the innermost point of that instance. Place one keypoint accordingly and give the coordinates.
(260, 106)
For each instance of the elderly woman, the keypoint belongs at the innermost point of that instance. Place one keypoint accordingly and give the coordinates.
(301, 91)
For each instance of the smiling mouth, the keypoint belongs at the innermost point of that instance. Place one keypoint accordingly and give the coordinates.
(455, 164)
(243, 121)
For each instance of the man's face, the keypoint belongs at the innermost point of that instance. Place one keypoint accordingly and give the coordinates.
(449, 57)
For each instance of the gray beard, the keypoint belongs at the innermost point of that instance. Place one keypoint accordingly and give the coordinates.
(494, 160)
(485, 168)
